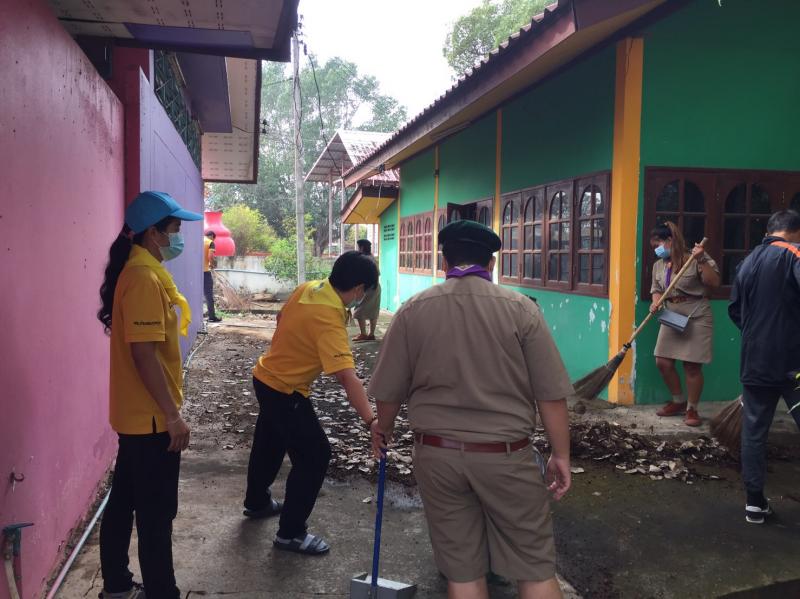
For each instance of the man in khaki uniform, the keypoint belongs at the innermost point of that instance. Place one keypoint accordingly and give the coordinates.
(476, 362)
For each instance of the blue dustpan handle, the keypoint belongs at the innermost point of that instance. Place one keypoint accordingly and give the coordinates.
(376, 551)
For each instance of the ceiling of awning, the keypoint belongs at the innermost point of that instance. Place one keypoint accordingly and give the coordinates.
(346, 148)
(232, 157)
(368, 203)
(240, 28)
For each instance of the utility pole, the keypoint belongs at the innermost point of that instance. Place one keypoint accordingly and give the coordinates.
(298, 170)
(330, 213)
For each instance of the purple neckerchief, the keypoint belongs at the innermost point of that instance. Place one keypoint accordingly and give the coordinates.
(465, 271)
(669, 274)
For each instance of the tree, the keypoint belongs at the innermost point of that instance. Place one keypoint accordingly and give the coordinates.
(347, 99)
(249, 230)
(475, 34)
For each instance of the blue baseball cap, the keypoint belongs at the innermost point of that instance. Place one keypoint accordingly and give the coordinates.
(150, 207)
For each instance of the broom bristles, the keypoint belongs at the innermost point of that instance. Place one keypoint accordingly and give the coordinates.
(726, 426)
(591, 385)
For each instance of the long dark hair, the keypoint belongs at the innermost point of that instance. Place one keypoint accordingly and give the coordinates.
(117, 257)
(669, 230)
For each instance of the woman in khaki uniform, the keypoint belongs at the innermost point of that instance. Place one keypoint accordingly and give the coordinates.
(689, 298)
(370, 308)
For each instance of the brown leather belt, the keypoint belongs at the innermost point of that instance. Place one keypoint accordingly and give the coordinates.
(436, 441)
(679, 299)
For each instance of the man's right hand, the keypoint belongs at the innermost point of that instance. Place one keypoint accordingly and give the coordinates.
(178, 434)
(558, 476)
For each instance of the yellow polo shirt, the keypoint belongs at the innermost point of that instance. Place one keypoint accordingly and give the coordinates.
(208, 250)
(311, 338)
(142, 312)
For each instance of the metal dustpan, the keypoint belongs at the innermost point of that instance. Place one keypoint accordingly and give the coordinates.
(366, 586)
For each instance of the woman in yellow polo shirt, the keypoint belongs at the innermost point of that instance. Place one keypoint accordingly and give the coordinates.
(311, 338)
(139, 301)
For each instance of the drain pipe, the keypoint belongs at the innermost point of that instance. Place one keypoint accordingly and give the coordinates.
(12, 551)
(77, 549)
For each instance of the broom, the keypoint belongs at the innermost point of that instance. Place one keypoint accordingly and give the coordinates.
(726, 426)
(590, 386)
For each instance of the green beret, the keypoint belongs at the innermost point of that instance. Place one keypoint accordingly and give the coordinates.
(469, 231)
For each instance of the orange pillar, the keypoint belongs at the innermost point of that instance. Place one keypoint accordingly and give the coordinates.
(624, 210)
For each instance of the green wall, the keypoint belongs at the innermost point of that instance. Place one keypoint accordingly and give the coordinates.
(388, 257)
(417, 184)
(563, 128)
(467, 163)
(720, 89)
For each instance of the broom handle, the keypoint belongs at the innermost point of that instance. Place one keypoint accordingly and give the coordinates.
(664, 295)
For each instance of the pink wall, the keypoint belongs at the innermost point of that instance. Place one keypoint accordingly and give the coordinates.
(61, 204)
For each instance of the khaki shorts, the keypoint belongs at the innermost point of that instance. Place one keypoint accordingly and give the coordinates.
(486, 511)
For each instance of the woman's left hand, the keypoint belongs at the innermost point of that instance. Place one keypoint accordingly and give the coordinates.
(698, 252)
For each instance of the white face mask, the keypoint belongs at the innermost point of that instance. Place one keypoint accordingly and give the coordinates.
(356, 302)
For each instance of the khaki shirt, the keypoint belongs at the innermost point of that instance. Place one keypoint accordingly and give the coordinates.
(690, 285)
(470, 358)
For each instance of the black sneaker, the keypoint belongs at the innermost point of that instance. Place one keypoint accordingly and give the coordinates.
(214, 319)
(135, 592)
(756, 514)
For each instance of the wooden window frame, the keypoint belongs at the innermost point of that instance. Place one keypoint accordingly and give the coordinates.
(512, 201)
(529, 198)
(407, 256)
(551, 192)
(441, 215)
(716, 184)
(573, 188)
(599, 181)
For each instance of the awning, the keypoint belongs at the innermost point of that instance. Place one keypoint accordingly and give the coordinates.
(232, 157)
(257, 29)
(367, 203)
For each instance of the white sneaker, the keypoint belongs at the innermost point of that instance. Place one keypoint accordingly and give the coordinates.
(755, 514)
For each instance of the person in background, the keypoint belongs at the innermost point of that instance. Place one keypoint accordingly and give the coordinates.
(693, 346)
(476, 363)
(765, 305)
(370, 308)
(311, 338)
(140, 304)
(208, 277)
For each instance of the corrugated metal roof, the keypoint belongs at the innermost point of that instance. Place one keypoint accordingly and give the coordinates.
(346, 148)
(513, 40)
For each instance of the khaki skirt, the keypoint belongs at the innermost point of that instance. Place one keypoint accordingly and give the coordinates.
(695, 343)
(370, 308)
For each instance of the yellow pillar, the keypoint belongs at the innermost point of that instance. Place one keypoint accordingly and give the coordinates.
(435, 220)
(624, 210)
(498, 166)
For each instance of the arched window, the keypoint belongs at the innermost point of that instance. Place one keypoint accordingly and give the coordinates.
(532, 240)
(510, 237)
(418, 244)
(484, 217)
(440, 223)
(746, 212)
(683, 202)
(428, 256)
(403, 246)
(559, 236)
(591, 249)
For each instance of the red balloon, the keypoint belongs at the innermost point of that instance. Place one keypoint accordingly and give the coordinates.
(223, 243)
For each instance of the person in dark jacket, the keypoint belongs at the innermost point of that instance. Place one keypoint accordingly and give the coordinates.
(765, 305)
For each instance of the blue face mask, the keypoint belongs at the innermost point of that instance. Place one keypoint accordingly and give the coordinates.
(662, 252)
(175, 247)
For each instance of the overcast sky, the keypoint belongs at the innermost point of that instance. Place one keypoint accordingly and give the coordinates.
(400, 43)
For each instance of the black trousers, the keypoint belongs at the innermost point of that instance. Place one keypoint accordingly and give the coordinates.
(208, 292)
(145, 484)
(287, 423)
(757, 415)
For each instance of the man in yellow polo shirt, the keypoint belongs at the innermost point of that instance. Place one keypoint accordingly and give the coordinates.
(208, 278)
(311, 338)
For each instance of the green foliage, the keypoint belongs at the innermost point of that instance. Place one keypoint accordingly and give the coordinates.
(283, 260)
(484, 28)
(248, 228)
(343, 93)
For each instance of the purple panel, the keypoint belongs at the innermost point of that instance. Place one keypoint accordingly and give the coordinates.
(166, 165)
(190, 37)
(207, 82)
